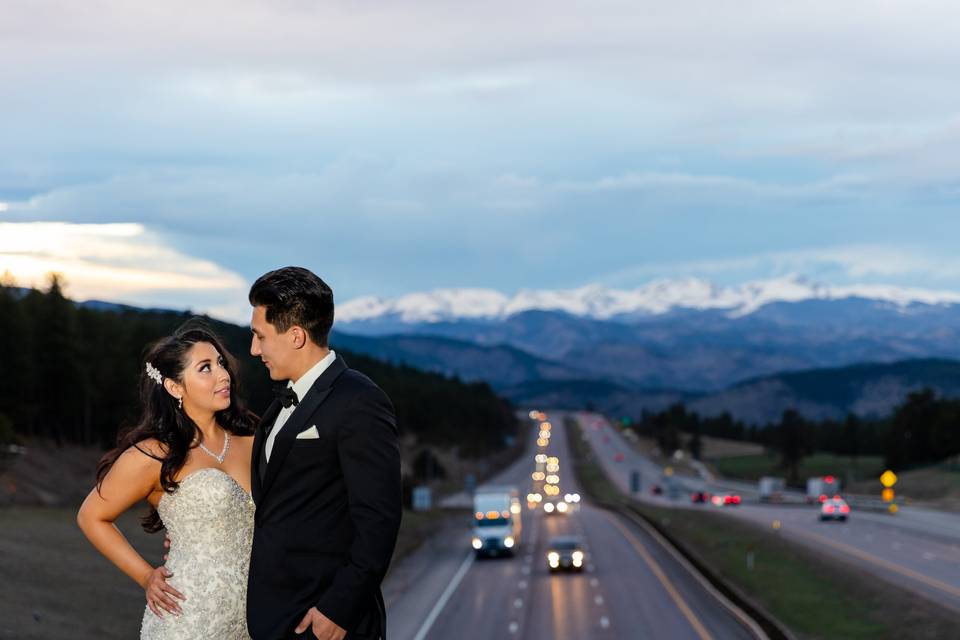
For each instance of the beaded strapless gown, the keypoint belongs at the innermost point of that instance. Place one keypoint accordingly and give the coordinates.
(209, 521)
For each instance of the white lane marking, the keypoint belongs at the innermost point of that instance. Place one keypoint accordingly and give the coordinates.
(594, 582)
(518, 603)
(522, 584)
(604, 622)
(598, 600)
(525, 571)
(747, 621)
(928, 556)
(514, 627)
(896, 546)
(591, 568)
(445, 596)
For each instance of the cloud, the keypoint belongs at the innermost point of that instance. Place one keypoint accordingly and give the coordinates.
(842, 264)
(397, 147)
(836, 187)
(119, 263)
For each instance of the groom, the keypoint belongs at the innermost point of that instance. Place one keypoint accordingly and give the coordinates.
(326, 475)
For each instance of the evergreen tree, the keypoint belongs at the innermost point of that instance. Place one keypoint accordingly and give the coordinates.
(16, 364)
(792, 444)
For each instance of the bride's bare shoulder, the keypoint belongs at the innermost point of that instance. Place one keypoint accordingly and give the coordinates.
(151, 448)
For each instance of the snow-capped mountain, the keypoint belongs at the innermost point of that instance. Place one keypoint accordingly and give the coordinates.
(602, 303)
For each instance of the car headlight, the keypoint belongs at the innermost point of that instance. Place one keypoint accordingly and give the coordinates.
(578, 556)
(548, 507)
(508, 542)
(553, 557)
(562, 507)
(477, 544)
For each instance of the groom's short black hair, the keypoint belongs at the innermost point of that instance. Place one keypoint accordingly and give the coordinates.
(295, 296)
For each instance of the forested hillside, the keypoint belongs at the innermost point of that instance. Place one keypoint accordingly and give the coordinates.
(69, 372)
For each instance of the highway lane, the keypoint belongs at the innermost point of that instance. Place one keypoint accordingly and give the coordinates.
(915, 549)
(415, 586)
(631, 586)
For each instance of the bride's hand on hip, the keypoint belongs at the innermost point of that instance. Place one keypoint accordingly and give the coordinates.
(160, 595)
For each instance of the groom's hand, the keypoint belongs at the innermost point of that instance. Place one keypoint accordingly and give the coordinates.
(323, 627)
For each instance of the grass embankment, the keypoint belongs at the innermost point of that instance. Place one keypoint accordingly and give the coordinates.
(849, 470)
(417, 526)
(936, 485)
(813, 597)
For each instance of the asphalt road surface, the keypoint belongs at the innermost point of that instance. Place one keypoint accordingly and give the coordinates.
(917, 549)
(632, 586)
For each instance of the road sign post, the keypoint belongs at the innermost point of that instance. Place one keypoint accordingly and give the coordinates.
(635, 481)
(888, 478)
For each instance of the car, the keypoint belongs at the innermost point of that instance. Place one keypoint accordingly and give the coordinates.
(555, 507)
(656, 490)
(565, 553)
(699, 496)
(726, 500)
(835, 508)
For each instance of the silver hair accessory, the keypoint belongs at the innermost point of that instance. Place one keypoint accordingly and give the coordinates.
(154, 374)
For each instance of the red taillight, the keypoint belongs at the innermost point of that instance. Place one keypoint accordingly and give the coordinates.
(844, 509)
(836, 497)
(736, 499)
(828, 479)
(823, 498)
(828, 508)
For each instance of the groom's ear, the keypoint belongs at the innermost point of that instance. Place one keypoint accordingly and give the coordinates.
(299, 336)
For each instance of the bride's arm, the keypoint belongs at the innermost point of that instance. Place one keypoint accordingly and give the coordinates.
(132, 478)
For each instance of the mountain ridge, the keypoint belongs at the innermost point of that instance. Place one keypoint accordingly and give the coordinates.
(599, 302)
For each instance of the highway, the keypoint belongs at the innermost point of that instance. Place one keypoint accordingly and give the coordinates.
(632, 587)
(917, 549)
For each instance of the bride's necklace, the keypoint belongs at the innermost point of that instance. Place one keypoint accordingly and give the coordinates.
(223, 454)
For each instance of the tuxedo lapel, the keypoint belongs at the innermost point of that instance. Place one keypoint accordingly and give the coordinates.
(258, 461)
(297, 420)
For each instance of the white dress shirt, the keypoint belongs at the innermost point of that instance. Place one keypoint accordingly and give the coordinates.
(300, 387)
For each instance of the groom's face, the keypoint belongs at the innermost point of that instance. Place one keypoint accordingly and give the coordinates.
(274, 349)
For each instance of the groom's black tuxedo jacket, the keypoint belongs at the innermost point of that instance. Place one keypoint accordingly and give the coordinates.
(328, 509)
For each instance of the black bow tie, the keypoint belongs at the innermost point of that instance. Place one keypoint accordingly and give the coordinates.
(286, 395)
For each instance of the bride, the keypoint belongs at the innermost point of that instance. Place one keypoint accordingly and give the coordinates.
(189, 458)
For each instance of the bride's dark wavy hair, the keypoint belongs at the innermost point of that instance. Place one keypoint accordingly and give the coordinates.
(162, 420)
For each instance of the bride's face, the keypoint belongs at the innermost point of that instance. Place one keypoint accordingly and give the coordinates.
(206, 381)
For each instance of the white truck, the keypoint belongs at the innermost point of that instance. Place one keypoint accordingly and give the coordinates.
(496, 520)
(822, 489)
(771, 489)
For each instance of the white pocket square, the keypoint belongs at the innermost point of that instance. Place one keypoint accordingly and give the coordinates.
(309, 434)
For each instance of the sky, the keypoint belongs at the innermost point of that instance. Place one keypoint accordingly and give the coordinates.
(168, 154)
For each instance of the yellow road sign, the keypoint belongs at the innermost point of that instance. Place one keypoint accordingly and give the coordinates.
(888, 479)
(888, 495)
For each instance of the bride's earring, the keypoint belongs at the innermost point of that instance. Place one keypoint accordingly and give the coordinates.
(180, 403)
